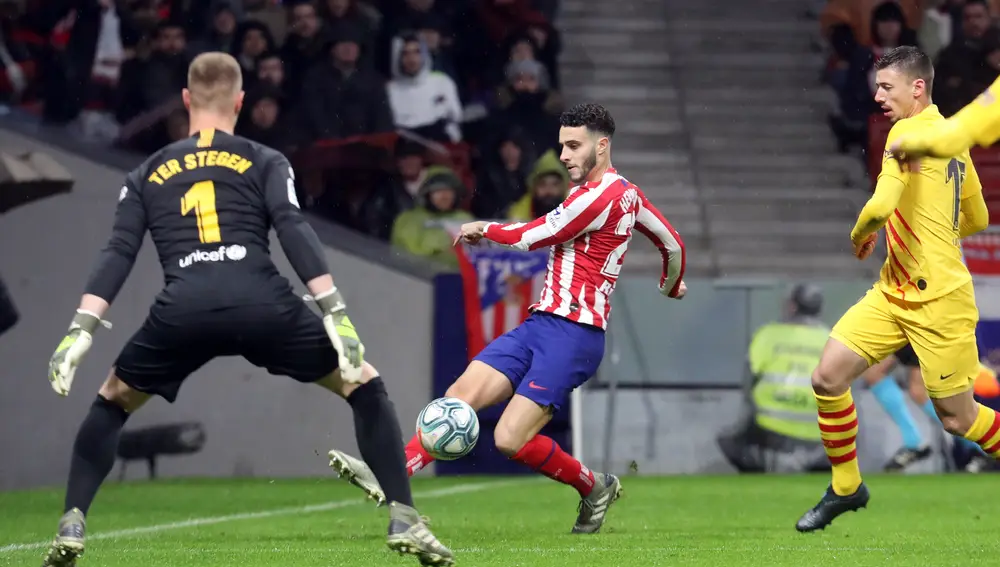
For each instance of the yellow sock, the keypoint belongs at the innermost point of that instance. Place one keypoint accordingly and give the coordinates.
(838, 426)
(985, 431)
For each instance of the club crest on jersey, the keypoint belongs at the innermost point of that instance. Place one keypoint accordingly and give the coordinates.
(628, 199)
(553, 216)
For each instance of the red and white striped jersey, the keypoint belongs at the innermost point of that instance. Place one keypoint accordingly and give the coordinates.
(589, 234)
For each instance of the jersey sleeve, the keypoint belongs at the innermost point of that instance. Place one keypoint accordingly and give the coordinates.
(890, 165)
(115, 261)
(574, 216)
(654, 226)
(972, 185)
(297, 237)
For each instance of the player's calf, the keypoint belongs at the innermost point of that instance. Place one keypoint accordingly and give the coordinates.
(961, 415)
(480, 386)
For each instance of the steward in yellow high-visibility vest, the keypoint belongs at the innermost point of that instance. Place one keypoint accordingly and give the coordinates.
(780, 432)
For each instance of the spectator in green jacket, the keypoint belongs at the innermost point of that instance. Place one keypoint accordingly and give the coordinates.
(548, 185)
(422, 230)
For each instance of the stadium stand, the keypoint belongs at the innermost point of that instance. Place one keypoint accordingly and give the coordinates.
(762, 156)
(339, 85)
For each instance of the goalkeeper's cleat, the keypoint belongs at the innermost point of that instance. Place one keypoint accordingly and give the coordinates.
(594, 507)
(905, 457)
(830, 506)
(356, 472)
(68, 544)
(408, 534)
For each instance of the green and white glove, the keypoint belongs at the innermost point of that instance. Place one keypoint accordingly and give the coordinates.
(71, 350)
(350, 351)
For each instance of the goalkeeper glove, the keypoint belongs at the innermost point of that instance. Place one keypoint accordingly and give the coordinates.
(71, 350)
(350, 351)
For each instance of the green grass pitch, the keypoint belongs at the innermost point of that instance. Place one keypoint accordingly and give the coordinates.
(698, 521)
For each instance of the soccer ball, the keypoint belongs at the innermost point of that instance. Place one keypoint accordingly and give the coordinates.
(448, 429)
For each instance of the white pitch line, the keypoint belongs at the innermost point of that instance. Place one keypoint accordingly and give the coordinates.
(194, 522)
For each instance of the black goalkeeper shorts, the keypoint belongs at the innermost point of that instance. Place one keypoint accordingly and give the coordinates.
(907, 357)
(285, 338)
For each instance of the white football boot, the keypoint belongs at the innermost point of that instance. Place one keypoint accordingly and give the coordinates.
(356, 472)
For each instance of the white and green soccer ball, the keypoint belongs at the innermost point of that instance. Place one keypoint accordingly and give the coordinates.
(448, 428)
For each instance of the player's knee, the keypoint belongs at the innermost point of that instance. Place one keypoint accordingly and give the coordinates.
(827, 383)
(121, 394)
(507, 441)
(957, 424)
(466, 390)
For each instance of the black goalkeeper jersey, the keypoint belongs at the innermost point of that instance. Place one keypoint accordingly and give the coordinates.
(209, 202)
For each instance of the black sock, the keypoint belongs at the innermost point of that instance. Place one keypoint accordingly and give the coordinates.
(381, 440)
(94, 452)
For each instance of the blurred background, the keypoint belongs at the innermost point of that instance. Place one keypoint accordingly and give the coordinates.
(750, 124)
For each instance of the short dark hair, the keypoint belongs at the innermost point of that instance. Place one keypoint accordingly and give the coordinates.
(910, 60)
(983, 3)
(594, 117)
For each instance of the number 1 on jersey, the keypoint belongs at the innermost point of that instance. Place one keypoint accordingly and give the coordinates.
(200, 198)
(956, 174)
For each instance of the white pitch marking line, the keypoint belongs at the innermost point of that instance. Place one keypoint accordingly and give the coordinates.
(211, 520)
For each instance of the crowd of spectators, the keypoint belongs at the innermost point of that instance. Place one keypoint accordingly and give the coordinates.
(961, 36)
(399, 114)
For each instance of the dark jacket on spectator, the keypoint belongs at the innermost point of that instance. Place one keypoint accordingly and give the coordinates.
(496, 187)
(499, 21)
(962, 71)
(300, 55)
(340, 104)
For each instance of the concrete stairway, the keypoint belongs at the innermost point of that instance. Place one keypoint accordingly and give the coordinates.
(617, 54)
(777, 196)
(721, 120)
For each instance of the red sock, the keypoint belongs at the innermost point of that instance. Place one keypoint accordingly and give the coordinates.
(544, 455)
(416, 456)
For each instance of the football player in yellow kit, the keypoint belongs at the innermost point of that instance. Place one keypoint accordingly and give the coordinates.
(924, 295)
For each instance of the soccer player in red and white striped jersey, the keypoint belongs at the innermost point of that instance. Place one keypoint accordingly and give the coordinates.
(560, 346)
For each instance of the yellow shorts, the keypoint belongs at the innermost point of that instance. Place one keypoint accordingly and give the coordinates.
(942, 332)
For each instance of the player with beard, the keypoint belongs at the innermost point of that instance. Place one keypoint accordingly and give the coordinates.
(560, 346)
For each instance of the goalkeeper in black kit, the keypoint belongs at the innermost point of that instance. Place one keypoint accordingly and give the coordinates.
(209, 202)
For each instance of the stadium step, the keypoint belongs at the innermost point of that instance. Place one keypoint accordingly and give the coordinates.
(630, 142)
(805, 266)
(747, 131)
(758, 113)
(770, 63)
(763, 144)
(612, 10)
(761, 243)
(805, 180)
(785, 161)
(817, 195)
(621, 59)
(693, 77)
(641, 94)
(715, 42)
(753, 26)
(620, 41)
(743, 96)
(575, 23)
(787, 229)
(779, 211)
(582, 75)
